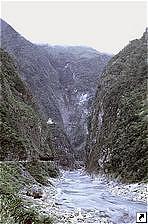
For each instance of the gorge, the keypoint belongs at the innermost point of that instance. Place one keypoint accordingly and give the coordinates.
(64, 108)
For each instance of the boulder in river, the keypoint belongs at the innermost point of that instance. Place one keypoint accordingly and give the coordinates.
(35, 192)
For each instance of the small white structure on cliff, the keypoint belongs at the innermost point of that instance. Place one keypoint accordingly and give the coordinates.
(50, 121)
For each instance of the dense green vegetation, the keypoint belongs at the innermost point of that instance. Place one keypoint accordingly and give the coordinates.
(24, 140)
(41, 170)
(117, 136)
(41, 78)
(15, 210)
(23, 133)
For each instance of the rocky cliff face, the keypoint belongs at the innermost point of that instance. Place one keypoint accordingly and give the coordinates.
(78, 70)
(117, 134)
(63, 81)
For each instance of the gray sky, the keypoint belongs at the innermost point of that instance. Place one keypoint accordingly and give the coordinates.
(105, 26)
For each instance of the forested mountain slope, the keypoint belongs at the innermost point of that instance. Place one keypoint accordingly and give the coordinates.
(26, 149)
(24, 136)
(34, 68)
(117, 134)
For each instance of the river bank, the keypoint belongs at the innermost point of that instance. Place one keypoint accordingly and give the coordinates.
(135, 192)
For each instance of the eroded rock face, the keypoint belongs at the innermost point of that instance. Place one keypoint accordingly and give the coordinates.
(78, 70)
(117, 133)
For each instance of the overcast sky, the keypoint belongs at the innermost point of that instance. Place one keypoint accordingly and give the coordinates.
(105, 26)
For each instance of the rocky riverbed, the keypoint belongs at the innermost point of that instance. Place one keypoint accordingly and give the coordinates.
(135, 192)
(76, 198)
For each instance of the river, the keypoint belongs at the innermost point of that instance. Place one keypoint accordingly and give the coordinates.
(87, 200)
(78, 198)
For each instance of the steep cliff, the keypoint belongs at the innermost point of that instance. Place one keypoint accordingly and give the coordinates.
(35, 69)
(117, 129)
(23, 134)
(41, 78)
(78, 70)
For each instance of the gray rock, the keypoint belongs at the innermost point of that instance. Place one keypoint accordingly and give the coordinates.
(35, 192)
